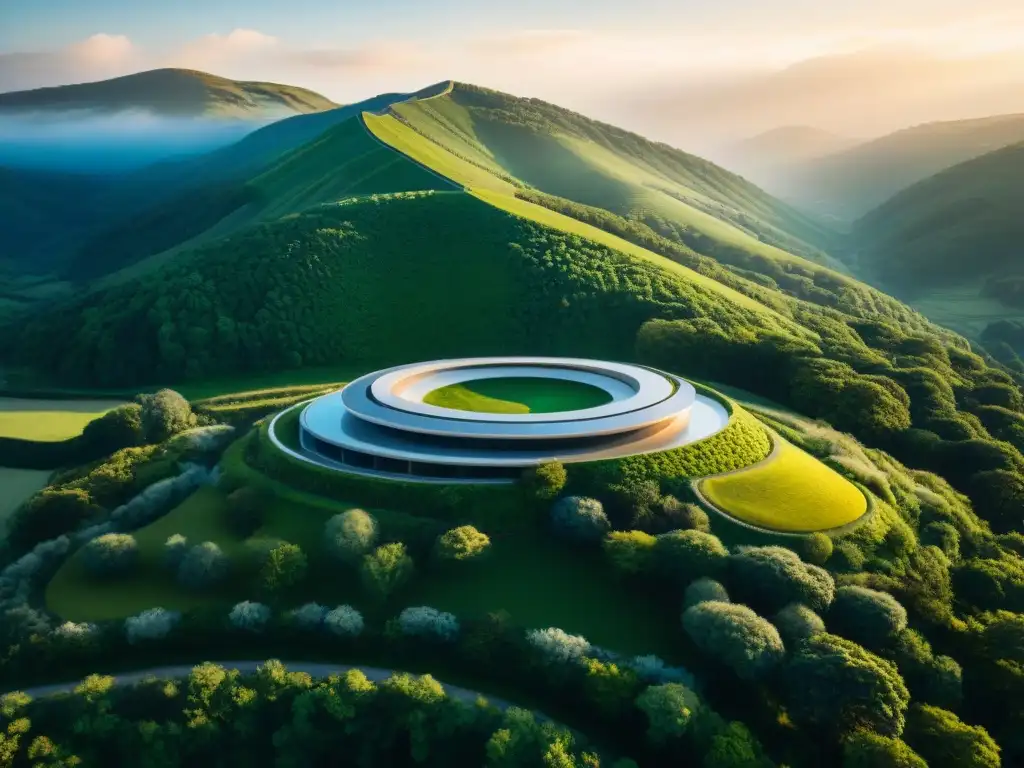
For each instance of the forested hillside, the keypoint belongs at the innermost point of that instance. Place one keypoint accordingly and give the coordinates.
(962, 224)
(848, 184)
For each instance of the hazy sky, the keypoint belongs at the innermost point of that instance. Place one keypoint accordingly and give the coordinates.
(694, 72)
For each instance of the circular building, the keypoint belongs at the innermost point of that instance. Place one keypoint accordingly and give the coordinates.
(487, 419)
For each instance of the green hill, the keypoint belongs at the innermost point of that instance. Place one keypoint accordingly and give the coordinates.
(171, 93)
(529, 143)
(849, 184)
(953, 243)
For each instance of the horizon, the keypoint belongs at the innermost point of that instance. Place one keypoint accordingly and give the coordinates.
(720, 75)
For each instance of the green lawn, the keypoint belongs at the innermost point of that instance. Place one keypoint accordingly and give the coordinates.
(48, 420)
(538, 580)
(518, 395)
(790, 492)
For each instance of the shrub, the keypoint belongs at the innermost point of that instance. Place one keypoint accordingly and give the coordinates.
(203, 565)
(76, 632)
(736, 636)
(683, 556)
(635, 503)
(249, 616)
(164, 414)
(112, 554)
(152, 624)
(816, 548)
(174, 551)
(579, 518)
(116, 429)
(630, 551)
(734, 746)
(866, 749)
(385, 570)
(942, 738)
(797, 622)
(653, 670)
(557, 646)
(677, 516)
(835, 684)
(846, 556)
(931, 679)
(669, 708)
(49, 514)
(704, 591)
(245, 511)
(344, 621)
(772, 577)
(869, 617)
(308, 616)
(610, 687)
(350, 535)
(545, 481)
(944, 536)
(424, 621)
(462, 543)
(284, 567)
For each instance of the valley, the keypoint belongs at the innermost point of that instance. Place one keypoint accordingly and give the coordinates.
(833, 570)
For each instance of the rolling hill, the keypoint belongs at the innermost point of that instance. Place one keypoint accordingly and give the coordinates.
(171, 93)
(954, 241)
(848, 184)
(770, 155)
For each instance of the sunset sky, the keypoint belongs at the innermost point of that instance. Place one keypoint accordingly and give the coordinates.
(690, 72)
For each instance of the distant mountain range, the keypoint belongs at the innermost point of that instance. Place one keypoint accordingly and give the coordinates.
(846, 183)
(171, 93)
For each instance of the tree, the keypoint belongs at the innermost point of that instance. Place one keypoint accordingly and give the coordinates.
(350, 535)
(50, 513)
(704, 590)
(866, 749)
(931, 679)
(609, 686)
(245, 511)
(344, 621)
(669, 708)
(204, 565)
(579, 518)
(942, 738)
(545, 481)
(424, 621)
(816, 548)
(164, 414)
(116, 429)
(736, 636)
(459, 544)
(284, 566)
(174, 551)
(152, 624)
(634, 503)
(735, 747)
(797, 622)
(683, 556)
(998, 496)
(837, 685)
(772, 577)
(249, 616)
(631, 552)
(386, 569)
(674, 515)
(112, 554)
(867, 616)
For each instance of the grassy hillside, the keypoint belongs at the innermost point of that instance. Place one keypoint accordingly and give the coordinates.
(171, 92)
(530, 143)
(849, 184)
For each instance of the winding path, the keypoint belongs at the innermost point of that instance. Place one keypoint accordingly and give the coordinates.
(314, 669)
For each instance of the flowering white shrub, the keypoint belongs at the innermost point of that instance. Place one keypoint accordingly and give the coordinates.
(151, 624)
(344, 620)
(69, 630)
(558, 646)
(424, 620)
(250, 616)
(652, 669)
(308, 616)
(580, 518)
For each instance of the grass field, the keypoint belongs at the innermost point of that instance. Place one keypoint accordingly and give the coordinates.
(791, 492)
(16, 485)
(540, 582)
(49, 420)
(518, 395)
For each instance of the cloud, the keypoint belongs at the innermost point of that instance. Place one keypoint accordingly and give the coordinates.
(213, 50)
(528, 42)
